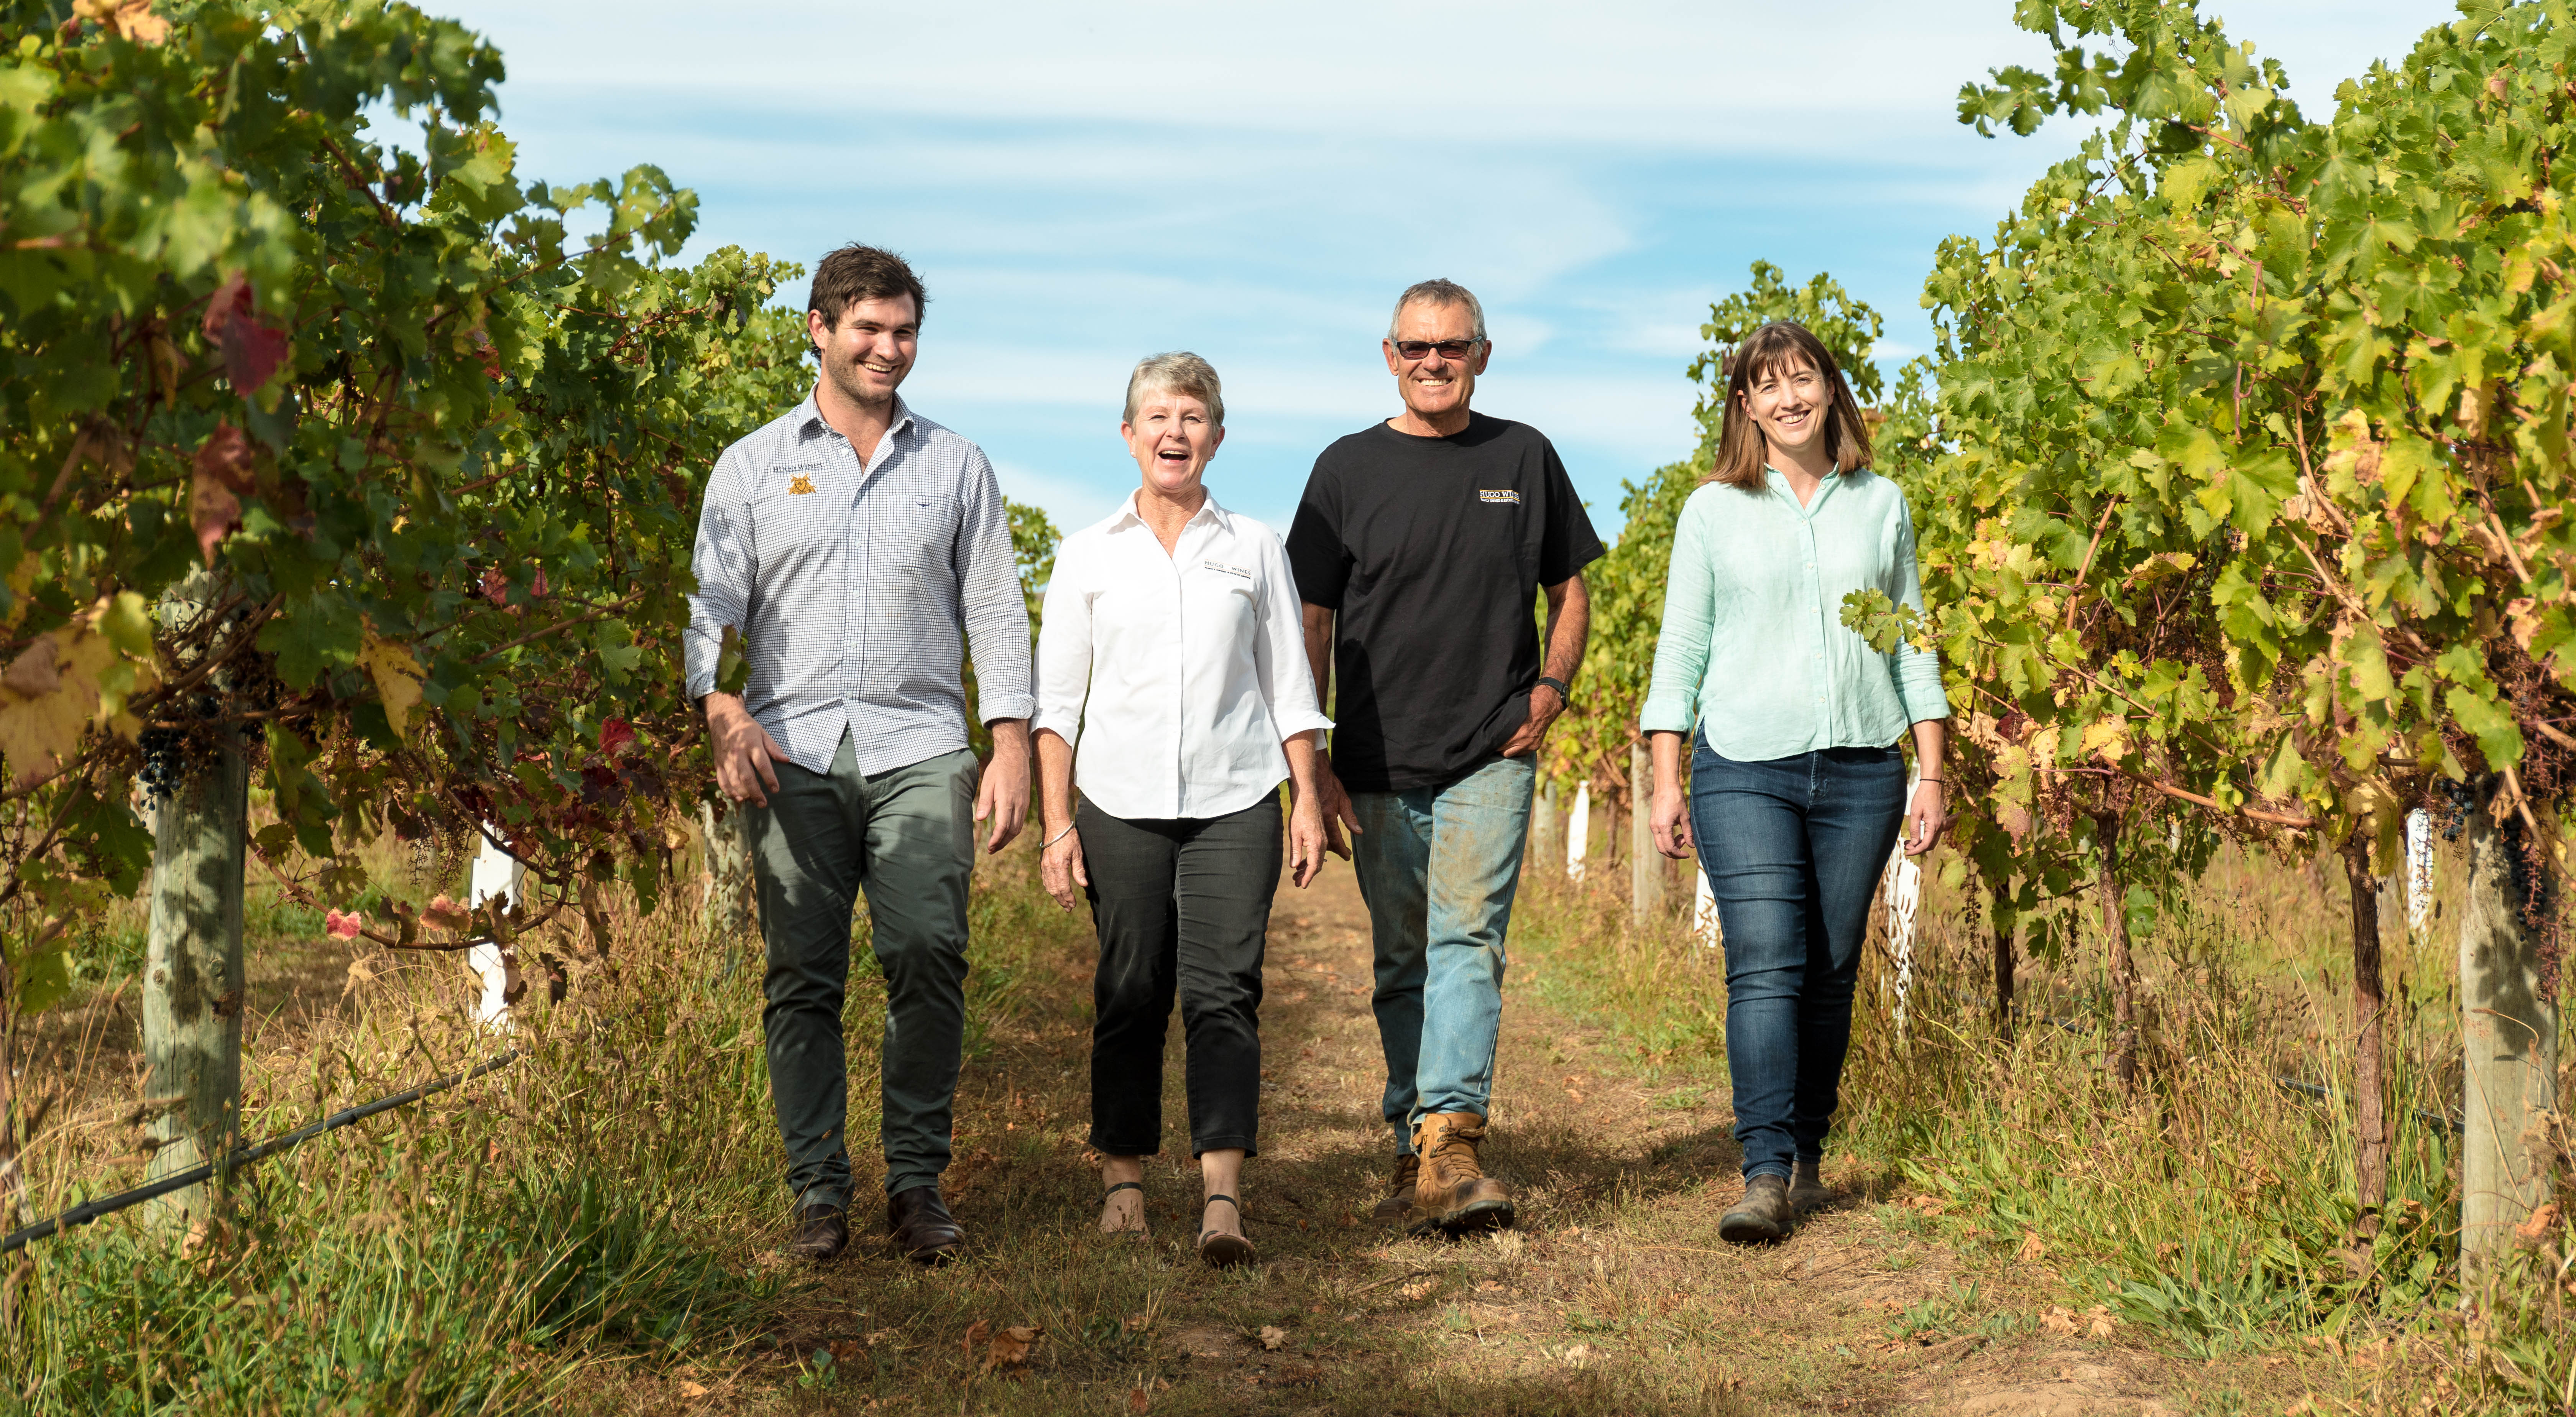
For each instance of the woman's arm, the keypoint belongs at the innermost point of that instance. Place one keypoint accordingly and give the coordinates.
(1305, 811)
(1681, 663)
(1060, 863)
(1064, 685)
(1928, 813)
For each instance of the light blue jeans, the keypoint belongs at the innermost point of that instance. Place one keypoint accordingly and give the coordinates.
(1438, 867)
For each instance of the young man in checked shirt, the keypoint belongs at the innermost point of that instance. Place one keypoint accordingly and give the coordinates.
(852, 543)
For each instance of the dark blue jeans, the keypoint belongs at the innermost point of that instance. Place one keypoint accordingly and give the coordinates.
(1793, 848)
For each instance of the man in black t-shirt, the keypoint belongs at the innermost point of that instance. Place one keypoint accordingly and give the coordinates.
(1418, 549)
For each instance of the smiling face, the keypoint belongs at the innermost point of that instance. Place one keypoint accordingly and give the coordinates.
(1172, 436)
(1437, 386)
(866, 355)
(1789, 402)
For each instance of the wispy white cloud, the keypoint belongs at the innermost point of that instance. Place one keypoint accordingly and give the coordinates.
(1082, 185)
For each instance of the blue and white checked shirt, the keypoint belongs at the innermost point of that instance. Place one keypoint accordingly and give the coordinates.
(853, 584)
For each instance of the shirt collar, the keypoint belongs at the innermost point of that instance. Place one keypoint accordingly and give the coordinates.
(1824, 488)
(810, 422)
(1208, 512)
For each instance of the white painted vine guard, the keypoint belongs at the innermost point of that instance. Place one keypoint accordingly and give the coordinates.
(1578, 830)
(2419, 870)
(1904, 896)
(496, 874)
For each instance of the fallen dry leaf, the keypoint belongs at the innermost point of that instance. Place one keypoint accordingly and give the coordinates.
(2058, 1319)
(2033, 1249)
(1138, 1399)
(2099, 1321)
(1926, 1205)
(976, 1333)
(1010, 1348)
(1418, 1289)
(693, 1389)
(1272, 1336)
(1138, 1323)
(2542, 1221)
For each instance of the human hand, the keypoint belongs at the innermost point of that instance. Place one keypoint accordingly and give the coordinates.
(1669, 821)
(1305, 841)
(1334, 806)
(1925, 817)
(743, 750)
(1544, 705)
(1060, 867)
(1003, 795)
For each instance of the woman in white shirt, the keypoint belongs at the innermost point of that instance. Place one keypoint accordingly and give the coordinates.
(1171, 650)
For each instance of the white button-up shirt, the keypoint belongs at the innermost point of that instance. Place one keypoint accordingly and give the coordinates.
(1177, 676)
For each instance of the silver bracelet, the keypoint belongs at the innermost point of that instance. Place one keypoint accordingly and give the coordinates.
(1059, 836)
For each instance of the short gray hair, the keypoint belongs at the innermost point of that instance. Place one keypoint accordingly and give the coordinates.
(1439, 292)
(1179, 372)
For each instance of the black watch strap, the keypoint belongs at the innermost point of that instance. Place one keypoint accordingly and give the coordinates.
(1563, 694)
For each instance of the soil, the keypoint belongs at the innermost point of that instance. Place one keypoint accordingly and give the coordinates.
(1612, 1293)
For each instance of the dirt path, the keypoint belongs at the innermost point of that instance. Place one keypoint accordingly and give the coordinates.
(1612, 1295)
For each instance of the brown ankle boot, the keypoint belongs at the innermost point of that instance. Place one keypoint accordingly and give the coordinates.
(1453, 1193)
(1399, 1191)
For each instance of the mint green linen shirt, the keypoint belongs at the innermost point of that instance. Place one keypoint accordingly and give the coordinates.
(1753, 648)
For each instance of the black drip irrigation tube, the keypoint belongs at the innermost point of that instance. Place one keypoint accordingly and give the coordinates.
(88, 1211)
(2325, 1094)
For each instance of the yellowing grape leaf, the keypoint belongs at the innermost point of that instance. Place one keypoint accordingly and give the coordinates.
(397, 675)
(49, 693)
(2105, 736)
(131, 18)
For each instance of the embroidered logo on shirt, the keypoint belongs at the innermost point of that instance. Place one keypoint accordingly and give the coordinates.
(1229, 570)
(1489, 494)
(801, 484)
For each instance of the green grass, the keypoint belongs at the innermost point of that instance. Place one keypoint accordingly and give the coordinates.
(2211, 1209)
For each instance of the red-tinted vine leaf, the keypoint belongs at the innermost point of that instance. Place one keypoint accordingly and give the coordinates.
(252, 351)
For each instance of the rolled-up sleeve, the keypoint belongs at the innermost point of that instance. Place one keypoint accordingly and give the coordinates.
(988, 581)
(1279, 650)
(726, 572)
(1681, 645)
(1064, 645)
(1916, 672)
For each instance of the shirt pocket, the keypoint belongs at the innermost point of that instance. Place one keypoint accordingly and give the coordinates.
(916, 541)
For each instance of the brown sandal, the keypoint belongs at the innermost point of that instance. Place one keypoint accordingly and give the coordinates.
(1223, 1251)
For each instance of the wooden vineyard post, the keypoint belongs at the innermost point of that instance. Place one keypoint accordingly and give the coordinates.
(1646, 864)
(2509, 1038)
(1547, 835)
(1996, 893)
(192, 975)
(2115, 931)
(2369, 1079)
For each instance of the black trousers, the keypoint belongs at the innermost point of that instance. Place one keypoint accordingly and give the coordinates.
(1181, 906)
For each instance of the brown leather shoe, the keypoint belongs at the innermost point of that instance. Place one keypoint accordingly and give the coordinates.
(920, 1228)
(1452, 1193)
(1399, 1192)
(822, 1231)
(1764, 1214)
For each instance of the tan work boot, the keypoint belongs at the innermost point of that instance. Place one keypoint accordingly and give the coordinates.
(1453, 1193)
(1399, 1192)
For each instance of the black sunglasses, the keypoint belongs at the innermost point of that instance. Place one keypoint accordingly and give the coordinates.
(1449, 348)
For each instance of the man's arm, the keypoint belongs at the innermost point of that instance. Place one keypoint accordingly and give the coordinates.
(726, 573)
(997, 634)
(1569, 624)
(1329, 796)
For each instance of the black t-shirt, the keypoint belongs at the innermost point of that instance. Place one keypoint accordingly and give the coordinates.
(1432, 550)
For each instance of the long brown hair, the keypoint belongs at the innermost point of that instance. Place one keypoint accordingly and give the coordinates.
(1741, 453)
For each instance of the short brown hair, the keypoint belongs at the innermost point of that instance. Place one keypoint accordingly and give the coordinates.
(1741, 454)
(855, 273)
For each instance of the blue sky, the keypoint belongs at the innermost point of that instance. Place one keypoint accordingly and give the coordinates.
(1082, 185)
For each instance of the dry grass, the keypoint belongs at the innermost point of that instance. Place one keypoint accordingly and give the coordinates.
(594, 1229)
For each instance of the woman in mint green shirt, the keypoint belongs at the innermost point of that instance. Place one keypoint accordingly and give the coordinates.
(1797, 786)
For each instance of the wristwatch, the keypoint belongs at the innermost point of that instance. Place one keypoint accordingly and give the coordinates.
(1564, 696)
